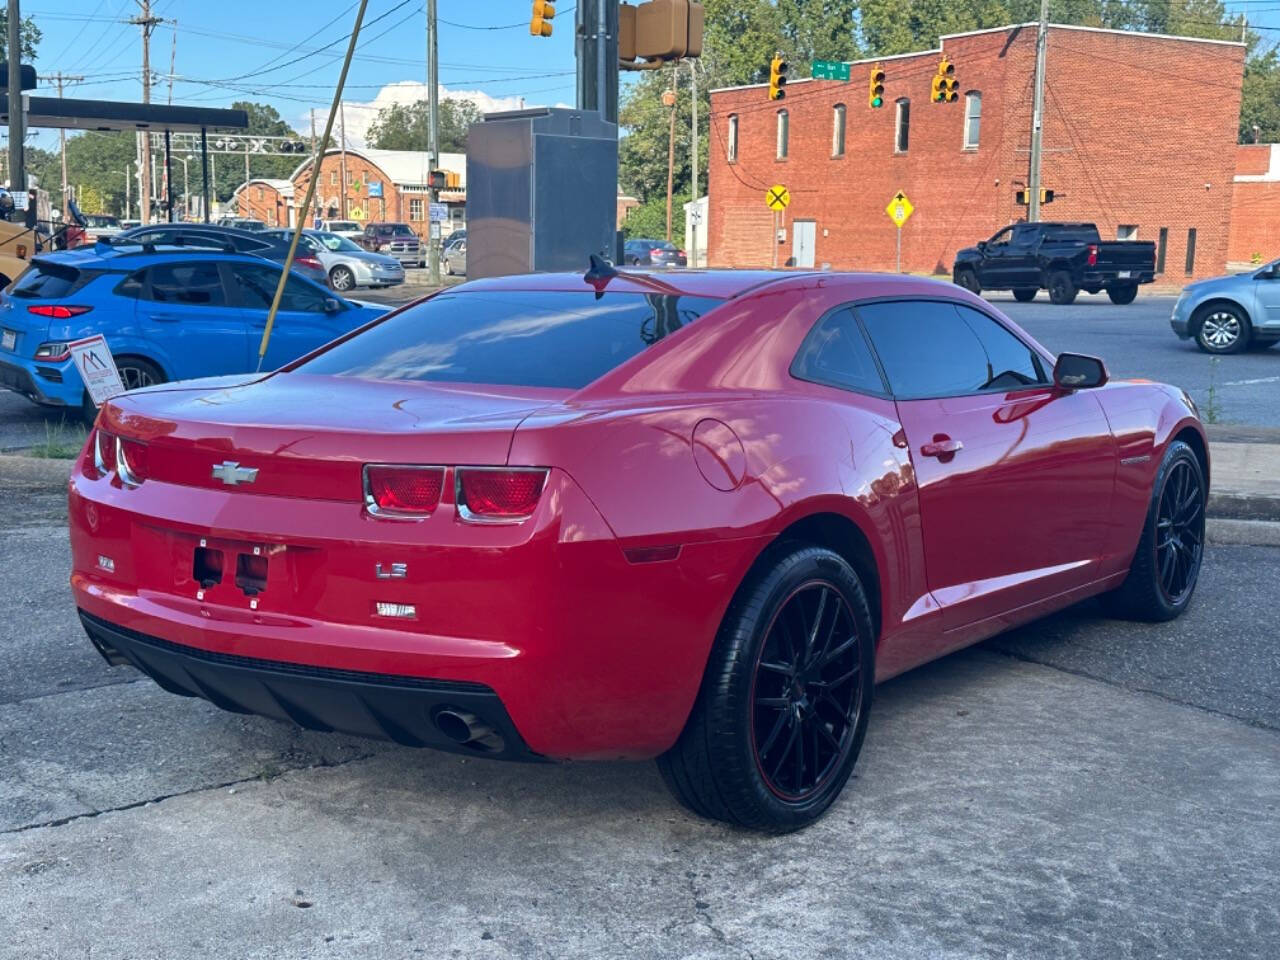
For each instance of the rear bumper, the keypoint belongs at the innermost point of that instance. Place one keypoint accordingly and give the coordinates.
(1111, 277)
(404, 710)
(24, 377)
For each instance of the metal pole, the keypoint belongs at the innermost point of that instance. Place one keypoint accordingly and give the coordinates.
(128, 199)
(671, 146)
(17, 172)
(899, 257)
(186, 190)
(62, 148)
(168, 173)
(693, 158)
(147, 22)
(597, 50)
(342, 196)
(204, 171)
(433, 136)
(1037, 116)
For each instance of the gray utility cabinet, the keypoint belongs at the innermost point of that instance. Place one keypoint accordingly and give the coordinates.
(542, 191)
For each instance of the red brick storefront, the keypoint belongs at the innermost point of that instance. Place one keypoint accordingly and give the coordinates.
(1255, 207)
(266, 200)
(1139, 134)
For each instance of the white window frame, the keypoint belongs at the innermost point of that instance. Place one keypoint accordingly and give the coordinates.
(839, 121)
(784, 134)
(902, 125)
(972, 121)
(732, 149)
(1127, 231)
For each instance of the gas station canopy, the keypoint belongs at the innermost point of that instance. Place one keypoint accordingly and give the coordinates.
(72, 114)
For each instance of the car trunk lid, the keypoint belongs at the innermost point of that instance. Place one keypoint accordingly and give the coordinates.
(310, 436)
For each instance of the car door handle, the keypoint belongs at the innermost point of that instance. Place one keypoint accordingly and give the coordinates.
(164, 317)
(941, 446)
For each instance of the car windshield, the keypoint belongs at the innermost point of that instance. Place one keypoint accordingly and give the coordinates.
(511, 337)
(336, 243)
(344, 225)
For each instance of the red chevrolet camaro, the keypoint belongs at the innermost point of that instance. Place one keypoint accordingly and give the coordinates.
(617, 516)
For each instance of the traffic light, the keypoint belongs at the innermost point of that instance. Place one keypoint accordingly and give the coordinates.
(777, 78)
(659, 31)
(1046, 196)
(1022, 197)
(437, 180)
(946, 88)
(875, 88)
(543, 13)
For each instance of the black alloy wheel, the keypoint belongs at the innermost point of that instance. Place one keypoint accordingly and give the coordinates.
(1062, 289)
(777, 727)
(967, 279)
(1166, 565)
(1179, 542)
(806, 698)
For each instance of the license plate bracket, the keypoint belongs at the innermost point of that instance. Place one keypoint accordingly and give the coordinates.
(1124, 274)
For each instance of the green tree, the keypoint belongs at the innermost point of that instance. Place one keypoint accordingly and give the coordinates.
(403, 126)
(29, 36)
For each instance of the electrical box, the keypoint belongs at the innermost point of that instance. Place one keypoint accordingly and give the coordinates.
(542, 191)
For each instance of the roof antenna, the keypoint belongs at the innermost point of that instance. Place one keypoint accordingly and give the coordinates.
(599, 273)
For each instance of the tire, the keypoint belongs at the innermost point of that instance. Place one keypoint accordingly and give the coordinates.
(1166, 566)
(1221, 328)
(1122, 294)
(967, 279)
(734, 735)
(448, 267)
(341, 278)
(1256, 344)
(1062, 289)
(1025, 294)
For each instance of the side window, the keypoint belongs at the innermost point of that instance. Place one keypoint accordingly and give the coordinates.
(836, 353)
(925, 348)
(257, 286)
(1002, 238)
(1010, 362)
(132, 285)
(195, 284)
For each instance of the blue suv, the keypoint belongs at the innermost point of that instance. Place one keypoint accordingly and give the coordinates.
(166, 314)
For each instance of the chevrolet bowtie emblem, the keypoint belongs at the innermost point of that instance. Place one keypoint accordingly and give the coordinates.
(231, 473)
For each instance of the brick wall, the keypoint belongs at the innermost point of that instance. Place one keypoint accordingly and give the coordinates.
(1255, 222)
(1119, 149)
(392, 205)
(261, 201)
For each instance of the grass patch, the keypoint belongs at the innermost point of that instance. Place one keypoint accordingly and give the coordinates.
(62, 441)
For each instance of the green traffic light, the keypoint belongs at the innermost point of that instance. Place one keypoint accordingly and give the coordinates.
(877, 102)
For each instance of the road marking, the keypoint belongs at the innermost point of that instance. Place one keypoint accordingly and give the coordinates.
(1249, 383)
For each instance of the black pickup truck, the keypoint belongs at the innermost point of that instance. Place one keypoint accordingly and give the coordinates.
(1063, 258)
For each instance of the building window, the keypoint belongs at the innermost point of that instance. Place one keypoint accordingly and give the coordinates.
(1191, 251)
(733, 138)
(259, 193)
(903, 126)
(784, 133)
(415, 208)
(1161, 247)
(457, 216)
(837, 130)
(1127, 231)
(972, 119)
(333, 178)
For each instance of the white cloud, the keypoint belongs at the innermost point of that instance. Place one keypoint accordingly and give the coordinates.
(361, 114)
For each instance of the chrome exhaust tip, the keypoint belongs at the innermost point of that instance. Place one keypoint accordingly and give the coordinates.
(466, 729)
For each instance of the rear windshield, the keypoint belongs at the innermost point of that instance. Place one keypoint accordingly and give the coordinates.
(516, 338)
(46, 281)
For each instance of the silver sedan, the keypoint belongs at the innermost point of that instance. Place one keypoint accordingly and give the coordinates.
(349, 265)
(455, 258)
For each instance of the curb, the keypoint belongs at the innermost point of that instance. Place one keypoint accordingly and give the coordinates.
(33, 471)
(1239, 506)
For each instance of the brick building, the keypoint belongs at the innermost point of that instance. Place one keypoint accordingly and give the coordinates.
(1255, 204)
(380, 185)
(1139, 137)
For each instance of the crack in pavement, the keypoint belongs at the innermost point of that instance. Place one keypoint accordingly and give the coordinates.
(323, 763)
(1076, 672)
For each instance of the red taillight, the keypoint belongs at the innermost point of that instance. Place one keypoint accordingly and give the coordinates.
(132, 461)
(498, 493)
(679, 253)
(1093, 255)
(308, 262)
(656, 251)
(404, 491)
(104, 452)
(57, 311)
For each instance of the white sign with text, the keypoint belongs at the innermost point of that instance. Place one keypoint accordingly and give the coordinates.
(97, 368)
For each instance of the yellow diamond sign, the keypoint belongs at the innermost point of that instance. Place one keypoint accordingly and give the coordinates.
(899, 209)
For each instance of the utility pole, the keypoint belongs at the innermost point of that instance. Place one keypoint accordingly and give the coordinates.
(671, 144)
(60, 79)
(342, 201)
(17, 172)
(128, 199)
(315, 167)
(1037, 116)
(173, 58)
(597, 48)
(693, 157)
(148, 23)
(433, 136)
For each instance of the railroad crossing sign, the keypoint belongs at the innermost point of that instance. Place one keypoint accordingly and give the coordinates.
(899, 209)
(777, 197)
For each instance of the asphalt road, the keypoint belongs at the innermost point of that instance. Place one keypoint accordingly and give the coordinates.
(1135, 341)
(1077, 788)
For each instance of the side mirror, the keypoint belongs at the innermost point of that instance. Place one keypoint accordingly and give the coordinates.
(1075, 371)
(332, 306)
(982, 245)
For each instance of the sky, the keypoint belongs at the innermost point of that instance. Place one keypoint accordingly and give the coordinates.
(265, 51)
